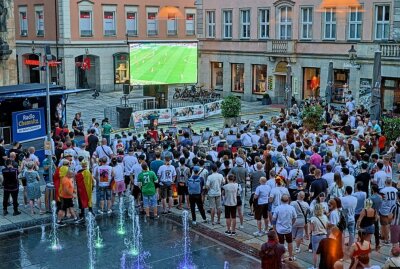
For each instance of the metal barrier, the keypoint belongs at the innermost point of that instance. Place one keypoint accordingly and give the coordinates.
(145, 104)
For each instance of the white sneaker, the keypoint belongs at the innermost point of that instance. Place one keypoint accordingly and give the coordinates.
(100, 211)
(297, 250)
(194, 222)
(109, 211)
(258, 233)
(241, 227)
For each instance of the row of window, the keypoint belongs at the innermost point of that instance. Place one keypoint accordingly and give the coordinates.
(86, 21)
(285, 23)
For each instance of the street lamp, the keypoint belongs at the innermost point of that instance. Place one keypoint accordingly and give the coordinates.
(352, 54)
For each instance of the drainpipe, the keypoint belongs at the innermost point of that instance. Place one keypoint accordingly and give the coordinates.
(57, 36)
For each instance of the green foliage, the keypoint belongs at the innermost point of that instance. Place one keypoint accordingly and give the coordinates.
(313, 117)
(231, 107)
(391, 126)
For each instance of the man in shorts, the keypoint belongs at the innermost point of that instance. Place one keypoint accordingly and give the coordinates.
(302, 209)
(182, 175)
(166, 174)
(261, 196)
(103, 175)
(283, 219)
(389, 195)
(66, 195)
(147, 180)
(213, 186)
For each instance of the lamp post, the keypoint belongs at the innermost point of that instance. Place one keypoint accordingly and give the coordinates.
(49, 156)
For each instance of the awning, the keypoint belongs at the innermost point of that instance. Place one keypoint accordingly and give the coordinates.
(39, 93)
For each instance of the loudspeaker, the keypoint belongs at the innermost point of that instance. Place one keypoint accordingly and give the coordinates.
(126, 89)
(124, 116)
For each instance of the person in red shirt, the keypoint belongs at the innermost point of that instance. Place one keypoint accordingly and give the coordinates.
(153, 133)
(381, 142)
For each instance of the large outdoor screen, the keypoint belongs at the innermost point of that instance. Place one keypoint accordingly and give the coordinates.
(163, 63)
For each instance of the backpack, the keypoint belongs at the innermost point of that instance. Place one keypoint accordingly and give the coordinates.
(194, 185)
(181, 172)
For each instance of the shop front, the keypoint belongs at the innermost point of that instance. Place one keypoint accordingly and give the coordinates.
(217, 75)
(259, 78)
(121, 68)
(311, 82)
(391, 94)
(340, 85)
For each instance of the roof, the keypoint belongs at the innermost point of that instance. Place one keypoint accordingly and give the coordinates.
(34, 90)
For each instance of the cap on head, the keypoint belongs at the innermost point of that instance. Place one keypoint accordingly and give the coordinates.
(196, 169)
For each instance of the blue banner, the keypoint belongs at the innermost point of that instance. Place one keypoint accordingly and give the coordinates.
(28, 124)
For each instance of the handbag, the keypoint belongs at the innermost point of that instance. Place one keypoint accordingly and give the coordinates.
(342, 222)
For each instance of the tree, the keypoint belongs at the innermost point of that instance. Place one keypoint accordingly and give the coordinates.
(231, 107)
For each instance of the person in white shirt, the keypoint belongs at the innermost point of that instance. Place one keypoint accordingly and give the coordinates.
(329, 175)
(348, 180)
(103, 151)
(349, 204)
(389, 195)
(213, 185)
(129, 161)
(294, 174)
(255, 138)
(136, 169)
(380, 176)
(277, 193)
(284, 217)
(84, 153)
(302, 210)
(261, 205)
(246, 138)
(166, 175)
(119, 186)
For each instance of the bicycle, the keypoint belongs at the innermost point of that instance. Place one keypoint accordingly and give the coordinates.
(96, 93)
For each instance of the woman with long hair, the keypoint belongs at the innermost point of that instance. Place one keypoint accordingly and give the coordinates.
(318, 226)
(367, 219)
(361, 248)
(337, 189)
(269, 165)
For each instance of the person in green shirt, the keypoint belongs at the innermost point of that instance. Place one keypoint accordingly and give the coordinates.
(147, 180)
(107, 129)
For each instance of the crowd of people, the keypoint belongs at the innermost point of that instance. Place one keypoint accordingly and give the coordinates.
(334, 189)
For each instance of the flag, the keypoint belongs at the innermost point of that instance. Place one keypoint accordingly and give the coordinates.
(84, 185)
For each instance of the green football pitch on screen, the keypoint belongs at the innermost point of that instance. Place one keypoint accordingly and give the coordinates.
(163, 63)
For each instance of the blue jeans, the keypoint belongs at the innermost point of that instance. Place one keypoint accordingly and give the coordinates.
(351, 228)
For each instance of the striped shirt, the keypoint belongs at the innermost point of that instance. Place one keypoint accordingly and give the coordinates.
(395, 210)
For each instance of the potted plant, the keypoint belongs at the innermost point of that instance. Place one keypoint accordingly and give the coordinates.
(266, 99)
(313, 117)
(230, 110)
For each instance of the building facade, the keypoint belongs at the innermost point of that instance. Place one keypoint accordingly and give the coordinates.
(90, 38)
(245, 47)
(8, 64)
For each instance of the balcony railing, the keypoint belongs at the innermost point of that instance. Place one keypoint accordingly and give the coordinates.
(390, 50)
(281, 46)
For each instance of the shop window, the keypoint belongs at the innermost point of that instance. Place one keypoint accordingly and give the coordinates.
(121, 68)
(217, 75)
(237, 71)
(311, 82)
(259, 78)
(340, 85)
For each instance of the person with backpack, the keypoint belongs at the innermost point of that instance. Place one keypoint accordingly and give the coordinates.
(271, 252)
(195, 185)
(182, 175)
